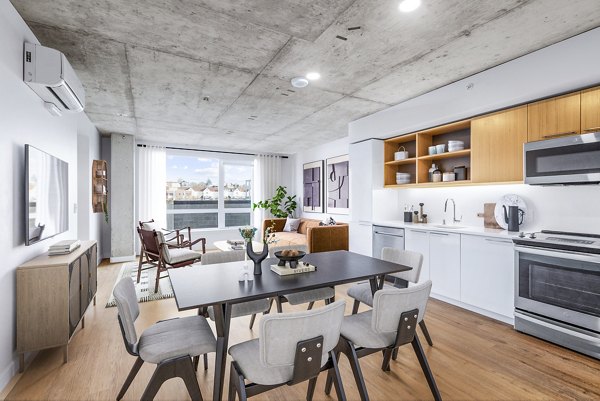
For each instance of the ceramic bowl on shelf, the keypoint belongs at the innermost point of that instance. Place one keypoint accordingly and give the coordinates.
(447, 177)
(432, 150)
(441, 148)
(402, 178)
(455, 149)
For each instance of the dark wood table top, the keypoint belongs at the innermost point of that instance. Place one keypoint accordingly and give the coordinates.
(196, 286)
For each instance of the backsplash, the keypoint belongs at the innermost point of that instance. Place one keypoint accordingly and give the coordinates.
(567, 208)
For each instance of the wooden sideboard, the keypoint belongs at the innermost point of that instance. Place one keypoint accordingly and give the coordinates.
(53, 293)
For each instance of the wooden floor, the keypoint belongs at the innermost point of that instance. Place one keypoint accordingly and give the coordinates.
(473, 358)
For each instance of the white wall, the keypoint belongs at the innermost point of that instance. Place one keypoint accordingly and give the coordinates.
(562, 67)
(23, 120)
(331, 149)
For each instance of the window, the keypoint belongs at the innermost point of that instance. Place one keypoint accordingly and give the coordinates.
(208, 191)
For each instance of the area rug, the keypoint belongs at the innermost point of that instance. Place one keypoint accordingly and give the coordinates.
(144, 290)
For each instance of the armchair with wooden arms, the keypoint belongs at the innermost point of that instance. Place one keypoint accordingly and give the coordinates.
(163, 254)
(174, 237)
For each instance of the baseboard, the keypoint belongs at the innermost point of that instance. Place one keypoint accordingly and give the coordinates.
(493, 315)
(120, 259)
(10, 375)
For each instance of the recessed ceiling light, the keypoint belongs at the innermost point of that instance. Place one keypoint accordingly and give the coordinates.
(407, 6)
(313, 76)
(299, 82)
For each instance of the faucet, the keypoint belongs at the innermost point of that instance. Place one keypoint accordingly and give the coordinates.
(454, 219)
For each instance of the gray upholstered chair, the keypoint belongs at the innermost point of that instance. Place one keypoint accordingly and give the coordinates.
(390, 324)
(362, 292)
(244, 308)
(309, 297)
(170, 344)
(291, 348)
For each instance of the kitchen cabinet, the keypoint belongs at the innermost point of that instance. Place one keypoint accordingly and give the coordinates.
(590, 110)
(487, 273)
(444, 264)
(361, 238)
(418, 241)
(555, 117)
(497, 146)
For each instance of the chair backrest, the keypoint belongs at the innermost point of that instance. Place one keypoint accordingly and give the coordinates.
(274, 249)
(127, 305)
(389, 304)
(280, 333)
(149, 241)
(212, 258)
(406, 258)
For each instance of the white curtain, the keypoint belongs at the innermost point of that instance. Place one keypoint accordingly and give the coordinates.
(152, 183)
(267, 177)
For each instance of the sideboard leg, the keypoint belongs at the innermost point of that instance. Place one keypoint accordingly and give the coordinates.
(65, 353)
(94, 300)
(83, 323)
(22, 363)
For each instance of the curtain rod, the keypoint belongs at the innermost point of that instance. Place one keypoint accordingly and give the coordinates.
(139, 145)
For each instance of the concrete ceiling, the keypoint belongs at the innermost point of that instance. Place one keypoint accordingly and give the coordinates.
(216, 73)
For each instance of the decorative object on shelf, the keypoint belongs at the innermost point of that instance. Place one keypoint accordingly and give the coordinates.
(454, 146)
(448, 176)
(289, 257)
(401, 154)
(441, 148)
(432, 150)
(460, 172)
(504, 203)
(313, 187)
(338, 185)
(436, 176)
(100, 187)
(431, 170)
(280, 205)
(402, 178)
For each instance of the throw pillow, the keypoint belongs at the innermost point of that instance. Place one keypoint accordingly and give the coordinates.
(329, 221)
(291, 225)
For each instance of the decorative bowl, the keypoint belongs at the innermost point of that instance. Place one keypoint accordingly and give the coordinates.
(288, 258)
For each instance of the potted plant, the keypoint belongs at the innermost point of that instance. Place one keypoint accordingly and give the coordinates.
(281, 205)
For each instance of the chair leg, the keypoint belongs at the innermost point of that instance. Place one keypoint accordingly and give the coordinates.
(425, 332)
(236, 384)
(196, 361)
(139, 273)
(329, 381)
(252, 319)
(355, 306)
(339, 387)
(158, 270)
(180, 367)
(426, 369)
(278, 304)
(205, 361)
(387, 356)
(312, 383)
(134, 370)
(395, 354)
(350, 352)
(310, 305)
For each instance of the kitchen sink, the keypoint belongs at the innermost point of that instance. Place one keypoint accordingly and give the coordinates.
(448, 226)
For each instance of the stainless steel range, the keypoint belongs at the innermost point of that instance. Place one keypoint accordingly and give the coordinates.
(557, 288)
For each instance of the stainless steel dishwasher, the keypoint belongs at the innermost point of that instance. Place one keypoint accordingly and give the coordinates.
(387, 237)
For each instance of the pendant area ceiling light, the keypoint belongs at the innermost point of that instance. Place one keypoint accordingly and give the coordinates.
(407, 6)
(299, 82)
(313, 76)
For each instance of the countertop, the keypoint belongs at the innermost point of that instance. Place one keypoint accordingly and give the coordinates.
(482, 231)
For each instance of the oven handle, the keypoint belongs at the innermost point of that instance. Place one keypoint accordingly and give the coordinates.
(559, 254)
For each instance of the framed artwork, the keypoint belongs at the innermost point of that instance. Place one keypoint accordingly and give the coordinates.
(312, 200)
(337, 174)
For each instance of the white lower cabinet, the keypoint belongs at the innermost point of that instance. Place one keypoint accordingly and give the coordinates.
(444, 264)
(487, 277)
(361, 237)
(418, 241)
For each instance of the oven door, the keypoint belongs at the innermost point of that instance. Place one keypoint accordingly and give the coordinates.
(560, 285)
(570, 160)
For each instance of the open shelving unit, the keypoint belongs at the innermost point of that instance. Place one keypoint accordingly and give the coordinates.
(419, 161)
(99, 185)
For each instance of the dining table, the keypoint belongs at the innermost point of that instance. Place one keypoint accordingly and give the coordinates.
(218, 285)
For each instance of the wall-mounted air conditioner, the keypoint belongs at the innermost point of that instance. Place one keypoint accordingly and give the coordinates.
(50, 75)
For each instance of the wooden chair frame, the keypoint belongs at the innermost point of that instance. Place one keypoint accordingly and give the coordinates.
(307, 366)
(406, 334)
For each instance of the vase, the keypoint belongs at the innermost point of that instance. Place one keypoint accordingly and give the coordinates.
(257, 258)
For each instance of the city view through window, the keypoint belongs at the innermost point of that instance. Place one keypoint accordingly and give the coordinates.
(204, 192)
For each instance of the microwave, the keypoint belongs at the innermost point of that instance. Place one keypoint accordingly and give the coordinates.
(563, 161)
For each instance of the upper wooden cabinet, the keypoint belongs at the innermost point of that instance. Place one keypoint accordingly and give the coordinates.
(497, 146)
(590, 110)
(556, 117)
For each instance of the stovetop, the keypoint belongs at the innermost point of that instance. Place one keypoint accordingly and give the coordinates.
(559, 240)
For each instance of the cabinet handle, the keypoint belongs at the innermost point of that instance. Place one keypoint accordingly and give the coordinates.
(499, 241)
(592, 129)
(559, 134)
(439, 233)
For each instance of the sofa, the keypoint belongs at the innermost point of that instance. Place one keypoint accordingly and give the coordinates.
(317, 238)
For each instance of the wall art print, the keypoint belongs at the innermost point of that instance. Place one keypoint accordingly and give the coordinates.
(312, 200)
(337, 176)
